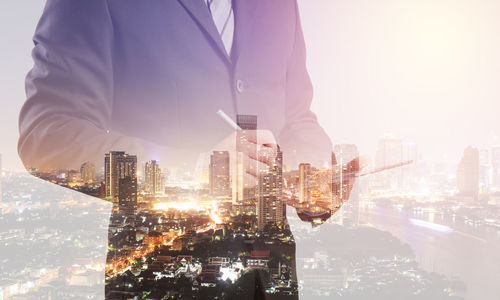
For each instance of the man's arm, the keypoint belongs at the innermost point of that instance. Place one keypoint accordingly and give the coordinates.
(304, 138)
(65, 120)
(302, 135)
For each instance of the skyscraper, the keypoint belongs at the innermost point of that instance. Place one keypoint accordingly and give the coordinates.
(304, 189)
(242, 189)
(127, 195)
(343, 154)
(118, 165)
(389, 151)
(495, 164)
(468, 173)
(270, 208)
(219, 175)
(238, 177)
(88, 172)
(484, 169)
(154, 179)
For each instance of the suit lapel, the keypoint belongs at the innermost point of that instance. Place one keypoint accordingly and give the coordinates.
(200, 13)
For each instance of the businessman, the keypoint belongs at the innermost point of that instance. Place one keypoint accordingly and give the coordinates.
(147, 77)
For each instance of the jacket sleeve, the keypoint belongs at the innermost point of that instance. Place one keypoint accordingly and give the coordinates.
(302, 135)
(65, 119)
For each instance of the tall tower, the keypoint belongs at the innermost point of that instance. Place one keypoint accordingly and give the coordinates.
(154, 180)
(219, 177)
(127, 195)
(484, 169)
(88, 172)
(304, 189)
(495, 163)
(389, 152)
(343, 154)
(242, 189)
(468, 173)
(117, 166)
(270, 208)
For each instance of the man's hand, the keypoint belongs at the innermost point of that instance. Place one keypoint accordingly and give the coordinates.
(335, 186)
(343, 179)
(256, 151)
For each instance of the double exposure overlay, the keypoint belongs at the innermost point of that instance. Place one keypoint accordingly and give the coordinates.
(170, 151)
(234, 111)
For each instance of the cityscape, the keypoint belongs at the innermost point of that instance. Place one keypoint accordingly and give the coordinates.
(173, 235)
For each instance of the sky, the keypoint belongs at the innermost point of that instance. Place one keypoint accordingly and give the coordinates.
(424, 70)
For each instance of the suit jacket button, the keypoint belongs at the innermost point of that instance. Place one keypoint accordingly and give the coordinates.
(240, 86)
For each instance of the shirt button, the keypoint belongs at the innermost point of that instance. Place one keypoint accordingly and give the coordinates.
(240, 86)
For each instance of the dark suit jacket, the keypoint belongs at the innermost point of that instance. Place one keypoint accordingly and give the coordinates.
(149, 76)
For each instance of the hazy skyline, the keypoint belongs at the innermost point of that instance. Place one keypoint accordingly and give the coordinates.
(422, 70)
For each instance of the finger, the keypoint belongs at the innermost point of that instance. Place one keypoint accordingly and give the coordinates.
(254, 167)
(264, 155)
(247, 148)
(364, 161)
(266, 138)
(261, 137)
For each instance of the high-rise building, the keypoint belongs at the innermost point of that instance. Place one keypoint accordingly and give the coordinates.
(408, 173)
(127, 195)
(219, 175)
(304, 188)
(495, 164)
(201, 173)
(389, 151)
(270, 207)
(468, 173)
(343, 154)
(88, 172)
(154, 179)
(117, 166)
(238, 177)
(247, 122)
(244, 191)
(484, 169)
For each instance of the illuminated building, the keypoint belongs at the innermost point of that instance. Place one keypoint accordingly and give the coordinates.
(118, 166)
(343, 154)
(270, 209)
(495, 164)
(88, 172)
(242, 189)
(304, 191)
(127, 196)
(154, 180)
(484, 169)
(258, 259)
(219, 177)
(389, 152)
(468, 173)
